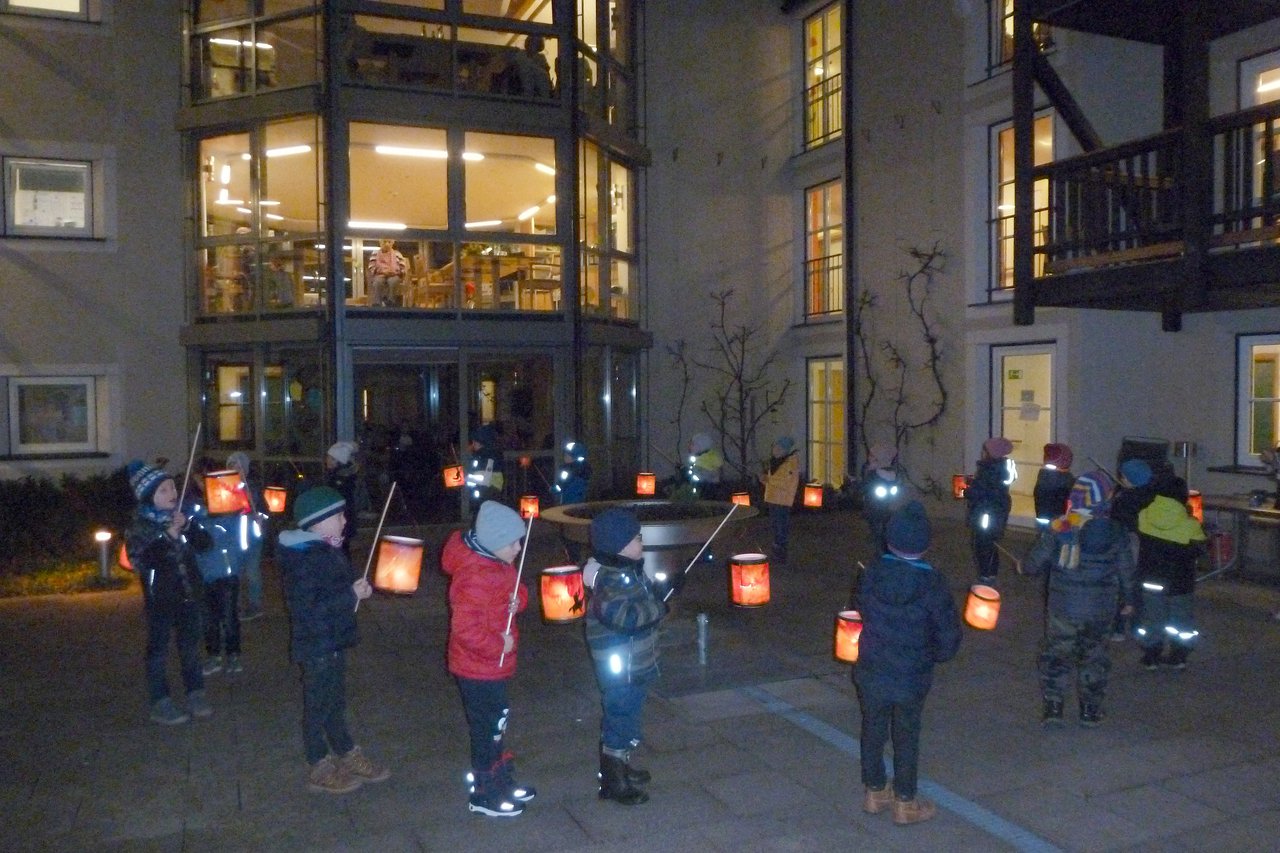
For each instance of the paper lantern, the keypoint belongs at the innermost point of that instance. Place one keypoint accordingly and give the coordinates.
(526, 461)
(741, 498)
(959, 482)
(813, 494)
(1196, 502)
(848, 632)
(276, 497)
(749, 580)
(563, 597)
(529, 506)
(224, 493)
(983, 607)
(646, 483)
(124, 558)
(452, 476)
(399, 564)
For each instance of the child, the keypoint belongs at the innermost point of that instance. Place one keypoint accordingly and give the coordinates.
(705, 468)
(162, 545)
(623, 615)
(252, 523)
(483, 595)
(342, 473)
(220, 570)
(781, 479)
(1132, 495)
(987, 498)
(909, 624)
(881, 492)
(1094, 569)
(1170, 540)
(1053, 487)
(321, 591)
(485, 476)
(572, 479)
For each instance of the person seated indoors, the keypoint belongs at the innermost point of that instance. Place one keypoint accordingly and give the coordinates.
(387, 269)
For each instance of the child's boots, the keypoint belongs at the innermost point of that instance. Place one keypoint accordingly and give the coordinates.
(915, 810)
(615, 784)
(488, 797)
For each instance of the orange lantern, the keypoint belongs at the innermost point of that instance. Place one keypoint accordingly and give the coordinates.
(529, 506)
(813, 494)
(224, 493)
(959, 482)
(124, 558)
(1196, 502)
(399, 564)
(453, 476)
(646, 483)
(276, 497)
(983, 607)
(563, 597)
(742, 498)
(848, 632)
(749, 583)
(526, 461)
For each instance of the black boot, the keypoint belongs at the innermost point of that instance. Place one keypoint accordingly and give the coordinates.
(635, 775)
(504, 778)
(1177, 657)
(1151, 657)
(1052, 713)
(614, 784)
(1090, 714)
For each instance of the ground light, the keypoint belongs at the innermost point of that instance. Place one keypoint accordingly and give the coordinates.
(103, 538)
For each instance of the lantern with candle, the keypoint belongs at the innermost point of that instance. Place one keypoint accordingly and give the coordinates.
(959, 482)
(742, 498)
(399, 564)
(276, 497)
(813, 494)
(1195, 502)
(646, 483)
(982, 608)
(124, 558)
(224, 493)
(749, 580)
(562, 593)
(529, 506)
(848, 632)
(452, 476)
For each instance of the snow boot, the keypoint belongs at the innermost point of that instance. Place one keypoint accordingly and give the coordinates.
(1052, 713)
(614, 784)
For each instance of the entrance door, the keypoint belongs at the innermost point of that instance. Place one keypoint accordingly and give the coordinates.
(514, 393)
(1023, 412)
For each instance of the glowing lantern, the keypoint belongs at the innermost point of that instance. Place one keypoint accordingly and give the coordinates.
(959, 482)
(276, 497)
(813, 494)
(526, 461)
(749, 581)
(399, 563)
(529, 506)
(848, 632)
(224, 493)
(1196, 502)
(563, 598)
(453, 476)
(646, 483)
(124, 558)
(983, 607)
(742, 498)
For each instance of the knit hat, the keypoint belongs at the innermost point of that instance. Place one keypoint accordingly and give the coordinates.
(316, 504)
(342, 451)
(497, 526)
(144, 479)
(576, 449)
(1058, 455)
(613, 529)
(1136, 471)
(1091, 490)
(700, 443)
(239, 461)
(908, 531)
(998, 447)
(882, 456)
(786, 442)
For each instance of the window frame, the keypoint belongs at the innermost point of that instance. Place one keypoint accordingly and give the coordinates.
(823, 97)
(995, 291)
(90, 11)
(9, 228)
(833, 296)
(1245, 398)
(827, 403)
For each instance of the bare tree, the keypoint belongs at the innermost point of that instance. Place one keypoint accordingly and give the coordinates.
(679, 353)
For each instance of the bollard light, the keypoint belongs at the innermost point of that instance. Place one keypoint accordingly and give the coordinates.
(646, 483)
(749, 580)
(848, 632)
(224, 493)
(529, 506)
(982, 609)
(959, 482)
(813, 495)
(563, 597)
(276, 498)
(399, 564)
(452, 476)
(741, 498)
(103, 538)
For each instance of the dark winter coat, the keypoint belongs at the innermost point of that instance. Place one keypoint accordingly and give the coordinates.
(1126, 503)
(623, 616)
(480, 587)
(166, 567)
(1169, 543)
(909, 623)
(987, 494)
(571, 482)
(317, 589)
(1093, 571)
(1053, 487)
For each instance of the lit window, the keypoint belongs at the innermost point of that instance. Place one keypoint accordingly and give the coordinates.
(1003, 196)
(78, 9)
(1001, 21)
(826, 401)
(822, 77)
(1257, 396)
(824, 249)
(48, 198)
(50, 415)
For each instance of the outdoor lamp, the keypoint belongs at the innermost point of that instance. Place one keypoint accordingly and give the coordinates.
(749, 580)
(529, 506)
(848, 632)
(959, 482)
(646, 483)
(563, 598)
(276, 497)
(983, 607)
(103, 538)
(399, 564)
(224, 492)
(813, 494)
(452, 476)
(742, 498)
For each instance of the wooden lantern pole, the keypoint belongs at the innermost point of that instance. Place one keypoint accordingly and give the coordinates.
(191, 459)
(377, 535)
(515, 592)
(698, 556)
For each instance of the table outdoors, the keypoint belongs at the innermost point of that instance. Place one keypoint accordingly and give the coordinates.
(1242, 514)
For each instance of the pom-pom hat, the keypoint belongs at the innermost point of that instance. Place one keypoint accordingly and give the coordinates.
(144, 479)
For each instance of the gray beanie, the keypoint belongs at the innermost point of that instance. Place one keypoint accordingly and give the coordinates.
(497, 526)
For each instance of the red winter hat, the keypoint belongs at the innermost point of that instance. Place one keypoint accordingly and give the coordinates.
(998, 447)
(1058, 455)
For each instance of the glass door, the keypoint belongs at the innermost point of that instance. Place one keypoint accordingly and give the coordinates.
(1023, 412)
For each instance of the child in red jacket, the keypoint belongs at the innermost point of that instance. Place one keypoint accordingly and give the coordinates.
(483, 594)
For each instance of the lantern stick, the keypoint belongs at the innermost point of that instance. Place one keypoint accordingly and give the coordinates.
(191, 459)
(654, 448)
(516, 590)
(698, 556)
(1103, 469)
(1017, 562)
(377, 535)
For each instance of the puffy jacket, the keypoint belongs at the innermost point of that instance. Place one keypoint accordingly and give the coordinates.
(988, 495)
(1093, 570)
(480, 586)
(1053, 487)
(623, 617)
(909, 623)
(317, 589)
(571, 482)
(165, 566)
(233, 536)
(1169, 542)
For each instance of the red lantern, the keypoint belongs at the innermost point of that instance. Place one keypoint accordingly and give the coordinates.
(848, 632)
(982, 609)
(741, 498)
(276, 497)
(526, 461)
(813, 494)
(959, 482)
(749, 585)
(224, 493)
(646, 484)
(124, 558)
(453, 476)
(563, 597)
(529, 506)
(399, 564)
(1196, 502)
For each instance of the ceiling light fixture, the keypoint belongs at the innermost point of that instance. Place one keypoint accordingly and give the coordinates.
(528, 213)
(544, 168)
(402, 151)
(287, 150)
(380, 226)
(484, 223)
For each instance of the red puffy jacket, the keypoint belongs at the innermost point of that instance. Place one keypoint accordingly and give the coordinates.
(479, 589)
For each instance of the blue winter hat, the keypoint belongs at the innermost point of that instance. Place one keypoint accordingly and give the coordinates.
(786, 442)
(1136, 471)
(497, 526)
(613, 529)
(144, 479)
(908, 532)
(316, 504)
(576, 449)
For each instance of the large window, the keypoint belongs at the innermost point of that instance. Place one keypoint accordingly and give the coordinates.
(48, 198)
(606, 190)
(51, 415)
(1257, 396)
(82, 10)
(279, 48)
(1002, 201)
(1000, 19)
(825, 395)
(606, 85)
(824, 249)
(822, 77)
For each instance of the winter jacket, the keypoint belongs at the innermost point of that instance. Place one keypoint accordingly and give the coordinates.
(165, 566)
(317, 589)
(624, 613)
(706, 467)
(1053, 487)
(1126, 503)
(480, 587)
(909, 623)
(1093, 570)
(783, 479)
(987, 497)
(571, 482)
(1169, 542)
(234, 537)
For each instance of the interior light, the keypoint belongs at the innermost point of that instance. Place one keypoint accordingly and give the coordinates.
(402, 151)
(527, 214)
(223, 194)
(473, 156)
(551, 199)
(266, 202)
(230, 201)
(1269, 86)
(1004, 208)
(274, 217)
(224, 174)
(544, 168)
(244, 210)
(287, 150)
(381, 226)
(246, 156)
(484, 223)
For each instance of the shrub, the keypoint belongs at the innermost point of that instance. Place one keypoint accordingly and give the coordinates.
(43, 523)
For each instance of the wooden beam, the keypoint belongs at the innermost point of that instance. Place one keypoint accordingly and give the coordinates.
(1065, 103)
(1024, 54)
